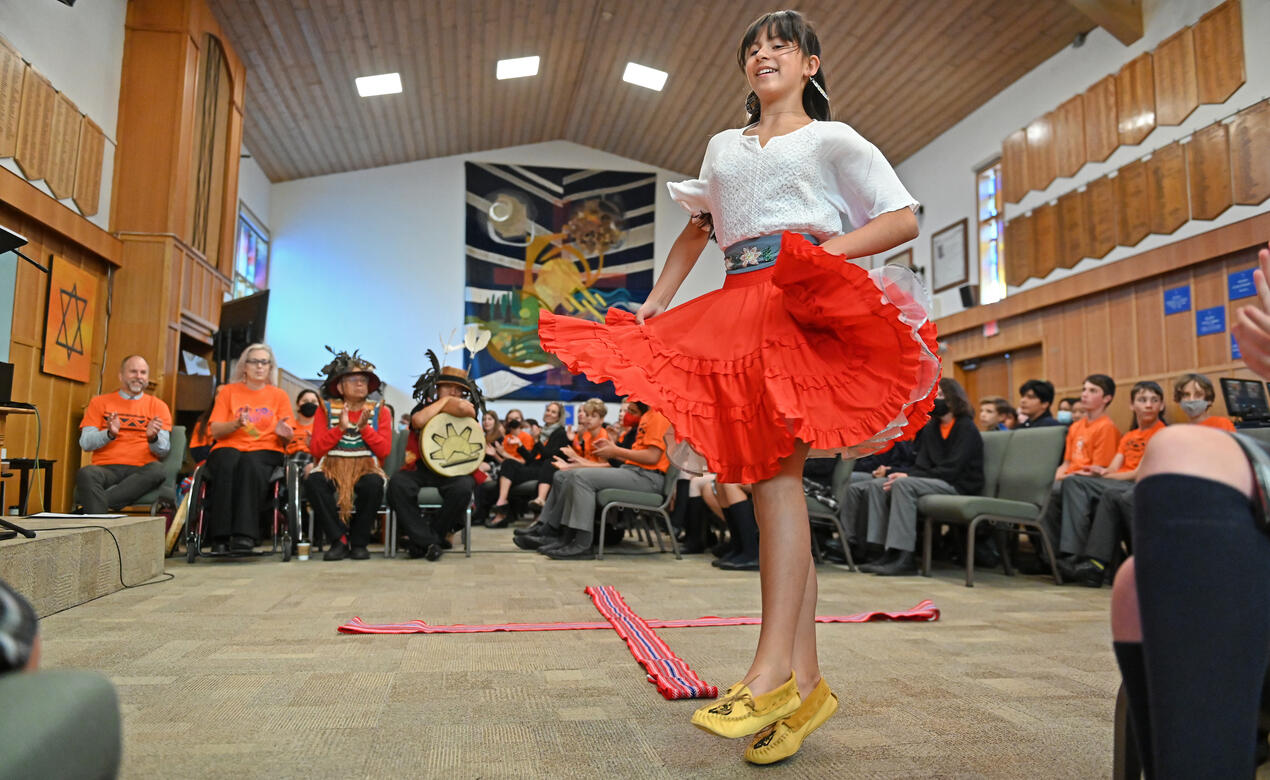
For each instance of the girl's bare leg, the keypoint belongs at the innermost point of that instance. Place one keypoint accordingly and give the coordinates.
(785, 560)
(504, 488)
(806, 662)
(712, 500)
(543, 487)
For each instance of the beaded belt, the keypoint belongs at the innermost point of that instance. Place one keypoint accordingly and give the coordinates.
(755, 254)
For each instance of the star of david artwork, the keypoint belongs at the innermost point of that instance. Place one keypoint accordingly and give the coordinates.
(70, 332)
(68, 324)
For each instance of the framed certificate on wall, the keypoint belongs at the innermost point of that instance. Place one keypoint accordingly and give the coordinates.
(904, 258)
(949, 257)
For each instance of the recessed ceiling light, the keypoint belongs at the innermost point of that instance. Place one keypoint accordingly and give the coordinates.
(642, 76)
(383, 84)
(517, 68)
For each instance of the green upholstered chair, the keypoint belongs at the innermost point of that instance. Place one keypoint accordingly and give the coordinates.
(643, 505)
(1019, 469)
(429, 498)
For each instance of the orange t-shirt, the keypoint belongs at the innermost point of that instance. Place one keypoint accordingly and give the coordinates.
(1220, 423)
(300, 441)
(1091, 444)
(652, 433)
(513, 441)
(130, 447)
(945, 428)
(1133, 445)
(264, 407)
(584, 443)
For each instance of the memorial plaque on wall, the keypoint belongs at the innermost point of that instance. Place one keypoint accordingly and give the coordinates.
(35, 123)
(1135, 100)
(1101, 133)
(92, 146)
(1250, 154)
(1176, 95)
(1014, 174)
(1103, 218)
(1046, 246)
(1219, 53)
(12, 69)
(1069, 136)
(1041, 161)
(1208, 169)
(1166, 189)
(1072, 216)
(1133, 212)
(1018, 252)
(63, 147)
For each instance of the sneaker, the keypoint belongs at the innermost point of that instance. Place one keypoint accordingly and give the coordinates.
(338, 552)
(743, 713)
(783, 738)
(1087, 573)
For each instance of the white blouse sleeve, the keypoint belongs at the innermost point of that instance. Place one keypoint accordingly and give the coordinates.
(694, 194)
(862, 184)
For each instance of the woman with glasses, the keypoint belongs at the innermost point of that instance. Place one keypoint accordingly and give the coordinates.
(252, 424)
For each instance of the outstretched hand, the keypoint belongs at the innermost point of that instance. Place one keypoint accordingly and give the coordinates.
(649, 308)
(1251, 327)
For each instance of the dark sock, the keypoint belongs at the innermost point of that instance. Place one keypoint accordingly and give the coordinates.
(733, 544)
(1133, 672)
(1204, 600)
(747, 530)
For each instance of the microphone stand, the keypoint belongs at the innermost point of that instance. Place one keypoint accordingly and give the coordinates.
(15, 527)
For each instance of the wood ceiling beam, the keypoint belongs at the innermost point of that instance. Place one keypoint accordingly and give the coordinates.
(1121, 18)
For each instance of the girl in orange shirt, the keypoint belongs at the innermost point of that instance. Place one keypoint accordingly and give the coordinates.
(1194, 393)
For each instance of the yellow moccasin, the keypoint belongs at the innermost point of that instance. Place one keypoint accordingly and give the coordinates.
(740, 712)
(783, 738)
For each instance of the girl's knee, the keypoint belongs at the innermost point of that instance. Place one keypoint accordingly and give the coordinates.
(1197, 451)
(1126, 625)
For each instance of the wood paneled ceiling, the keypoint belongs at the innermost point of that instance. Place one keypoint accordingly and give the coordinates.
(899, 71)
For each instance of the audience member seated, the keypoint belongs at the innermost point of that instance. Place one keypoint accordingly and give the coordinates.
(1068, 409)
(691, 513)
(1091, 441)
(127, 433)
(898, 457)
(306, 407)
(553, 438)
(494, 433)
(349, 445)
(949, 460)
(1190, 612)
(995, 414)
(1085, 552)
(566, 527)
(1035, 397)
(740, 552)
(523, 463)
(1195, 395)
(440, 390)
(251, 423)
(19, 633)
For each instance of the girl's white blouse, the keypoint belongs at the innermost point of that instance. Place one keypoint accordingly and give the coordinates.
(805, 181)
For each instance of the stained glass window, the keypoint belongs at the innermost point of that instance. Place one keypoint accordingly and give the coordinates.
(991, 229)
(251, 257)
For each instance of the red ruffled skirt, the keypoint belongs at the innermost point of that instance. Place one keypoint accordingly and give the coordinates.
(813, 348)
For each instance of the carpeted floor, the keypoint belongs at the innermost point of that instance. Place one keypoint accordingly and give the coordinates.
(236, 670)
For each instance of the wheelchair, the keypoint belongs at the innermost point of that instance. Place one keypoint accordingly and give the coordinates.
(284, 515)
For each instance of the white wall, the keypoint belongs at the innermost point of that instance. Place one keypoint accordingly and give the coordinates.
(254, 187)
(941, 174)
(375, 259)
(80, 50)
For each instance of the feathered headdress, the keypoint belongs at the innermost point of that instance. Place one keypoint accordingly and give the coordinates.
(426, 386)
(341, 366)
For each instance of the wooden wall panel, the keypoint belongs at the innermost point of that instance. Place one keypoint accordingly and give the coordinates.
(1069, 136)
(1219, 53)
(12, 69)
(1149, 315)
(1250, 154)
(1073, 220)
(1093, 318)
(1042, 160)
(1166, 189)
(1123, 336)
(1208, 171)
(1048, 240)
(1208, 290)
(1020, 241)
(1014, 168)
(1179, 328)
(1135, 100)
(1103, 217)
(92, 147)
(1133, 211)
(1176, 94)
(34, 125)
(63, 147)
(1102, 134)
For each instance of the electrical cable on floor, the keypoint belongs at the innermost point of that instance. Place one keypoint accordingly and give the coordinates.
(166, 576)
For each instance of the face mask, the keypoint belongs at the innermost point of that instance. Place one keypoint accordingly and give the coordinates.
(308, 410)
(630, 419)
(1194, 408)
(941, 407)
(1064, 416)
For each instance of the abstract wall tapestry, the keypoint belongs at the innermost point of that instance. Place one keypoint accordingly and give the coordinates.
(569, 241)
(68, 329)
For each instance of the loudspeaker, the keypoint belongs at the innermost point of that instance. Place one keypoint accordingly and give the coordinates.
(969, 295)
(6, 382)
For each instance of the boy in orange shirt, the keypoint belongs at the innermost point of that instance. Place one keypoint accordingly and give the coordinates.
(1100, 486)
(127, 433)
(1091, 445)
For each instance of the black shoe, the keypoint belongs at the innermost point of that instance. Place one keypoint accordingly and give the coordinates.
(552, 545)
(1067, 569)
(986, 554)
(533, 541)
(739, 564)
(445, 544)
(242, 544)
(1087, 573)
(902, 566)
(872, 567)
(338, 552)
(536, 528)
(573, 551)
(360, 554)
(433, 552)
(220, 548)
(1037, 565)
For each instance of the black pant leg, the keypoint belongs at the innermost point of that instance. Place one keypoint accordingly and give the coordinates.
(368, 494)
(222, 465)
(138, 481)
(403, 499)
(250, 485)
(456, 494)
(320, 493)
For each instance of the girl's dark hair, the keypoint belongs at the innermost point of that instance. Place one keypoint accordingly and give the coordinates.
(791, 27)
(1153, 387)
(305, 391)
(958, 403)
